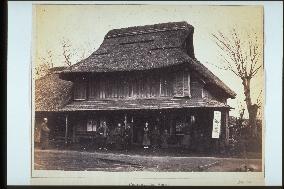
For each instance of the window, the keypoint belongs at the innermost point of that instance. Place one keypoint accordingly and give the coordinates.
(186, 84)
(102, 89)
(154, 86)
(196, 89)
(182, 82)
(97, 88)
(91, 88)
(138, 86)
(178, 84)
(166, 87)
(80, 90)
(91, 125)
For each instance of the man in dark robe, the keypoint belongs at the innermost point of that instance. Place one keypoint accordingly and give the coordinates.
(118, 135)
(44, 134)
(164, 139)
(155, 137)
(186, 137)
(127, 137)
(103, 134)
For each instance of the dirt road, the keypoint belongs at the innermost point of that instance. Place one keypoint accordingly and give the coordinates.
(106, 161)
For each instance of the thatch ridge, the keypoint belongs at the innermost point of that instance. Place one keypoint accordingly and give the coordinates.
(146, 29)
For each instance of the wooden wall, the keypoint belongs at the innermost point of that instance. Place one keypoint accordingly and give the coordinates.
(130, 86)
(170, 83)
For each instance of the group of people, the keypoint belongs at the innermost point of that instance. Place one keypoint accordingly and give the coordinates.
(154, 138)
(119, 138)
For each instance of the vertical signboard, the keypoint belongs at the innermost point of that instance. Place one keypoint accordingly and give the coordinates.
(216, 124)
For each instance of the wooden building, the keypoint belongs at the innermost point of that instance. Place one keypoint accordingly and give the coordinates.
(138, 74)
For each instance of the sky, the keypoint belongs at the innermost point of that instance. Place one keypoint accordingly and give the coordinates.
(85, 26)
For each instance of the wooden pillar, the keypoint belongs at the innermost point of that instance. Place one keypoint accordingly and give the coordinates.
(66, 128)
(125, 121)
(171, 123)
(226, 121)
(73, 133)
(224, 133)
(132, 132)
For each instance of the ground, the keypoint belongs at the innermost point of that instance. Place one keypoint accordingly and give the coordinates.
(70, 160)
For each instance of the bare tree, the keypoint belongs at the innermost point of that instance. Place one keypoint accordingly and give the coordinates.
(67, 54)
(72, 55)
(242, 57)
(45, 63)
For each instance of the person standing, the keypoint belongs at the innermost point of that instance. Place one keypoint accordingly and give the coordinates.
(103, 134)
(155, 138)
(186, 138)
(118, 135)
(44, 134)
(127, 137)
(146, 139)
(165, 137)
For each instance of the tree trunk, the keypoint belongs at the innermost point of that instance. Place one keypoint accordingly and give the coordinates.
(252, 108)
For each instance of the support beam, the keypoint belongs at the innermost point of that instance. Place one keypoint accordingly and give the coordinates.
(66, 128)
(224, 133)
(73, 133)
(226, 117)
(125, 121)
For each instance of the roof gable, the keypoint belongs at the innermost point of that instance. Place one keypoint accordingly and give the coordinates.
(140, 48)
(146, 47)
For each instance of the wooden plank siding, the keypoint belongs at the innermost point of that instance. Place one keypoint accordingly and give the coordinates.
(138, 86)
(178, 83)
(80, 90)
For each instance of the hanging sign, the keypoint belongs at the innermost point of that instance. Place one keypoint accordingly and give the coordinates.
(216, 124)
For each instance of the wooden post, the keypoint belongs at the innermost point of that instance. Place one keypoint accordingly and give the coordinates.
(183, 83)
(132, 125)
(125, 121)
(224, 133)
(66, 128)
(73, 133)
(160, 87)
(226, 127)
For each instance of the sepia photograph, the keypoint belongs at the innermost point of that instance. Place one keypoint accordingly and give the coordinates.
(147, 88)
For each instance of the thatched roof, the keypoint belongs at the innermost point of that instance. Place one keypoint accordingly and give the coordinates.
(51, 92)
(146, 47)
(139, 48)
(139, 104)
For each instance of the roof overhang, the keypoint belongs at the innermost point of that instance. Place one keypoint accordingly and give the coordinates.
(143, 104)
